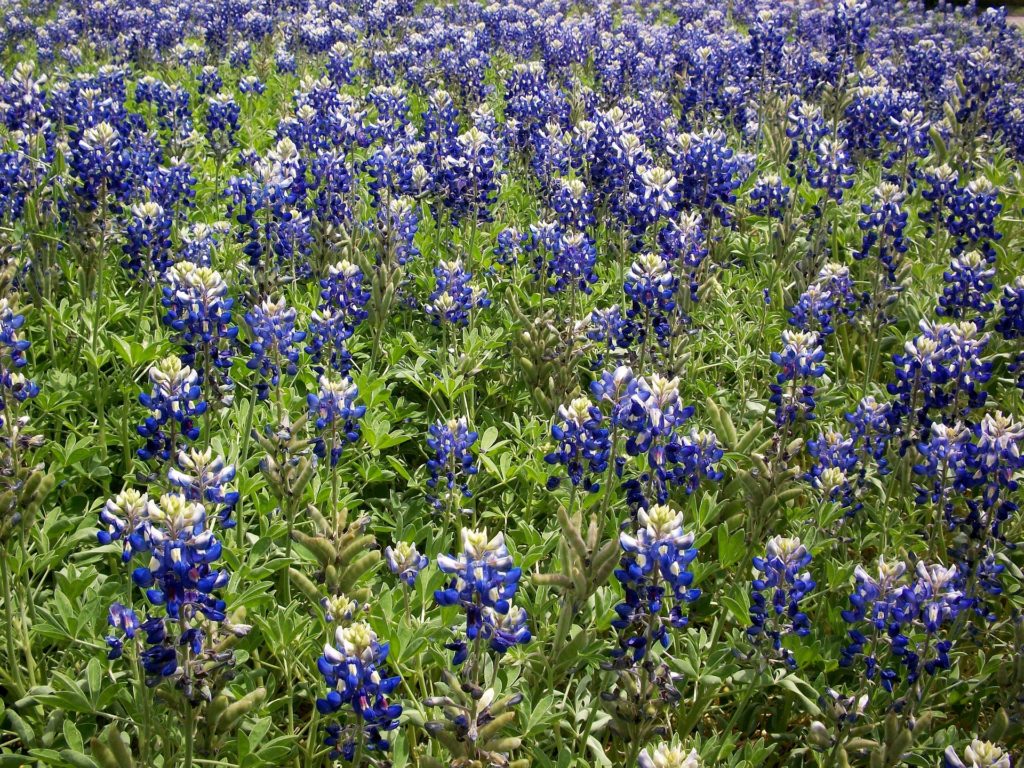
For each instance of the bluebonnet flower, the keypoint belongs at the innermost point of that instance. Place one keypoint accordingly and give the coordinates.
(339, 64)
(833, 471)
(14, 387)
(405, 561)
(968, 284)
(571, 263)
(250, 84)
(942, 185)
(978, 754)
(654, 570)
(470, 187)
(769, 197)
(181, 548)
(120, 519)
(888, 618)
(669, 756)
(484, 581)
(453, 297)
(355, 670)
(709, 172)
(583, 445)
(172, 103)
(610, 328)
(574, 204)
(655, 195)
(451, 459)
(284, 61)
(101, 164)
(1010, 324)
(174, 403)
(329, 329)
(973, 212)
(222, 117)
(684, 242)
(831, 171)
(209, 82)
(776, 594)
(939, 374)
(829, 298)
(651, 286)
(340, 608)
(509, 246)
(343, 291)
(202, 476)
(335, 415)
(272, 326)
(794, 389)
(125, 621)
(651, 416)
(400, 221)
(198, 242)
(147, 250)
(240, 55)
(199, 310)
(806, 127)
(871, 427)
(180, 578)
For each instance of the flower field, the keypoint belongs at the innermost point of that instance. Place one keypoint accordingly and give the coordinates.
(518, 384)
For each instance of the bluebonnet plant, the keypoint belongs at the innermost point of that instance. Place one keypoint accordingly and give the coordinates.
(794, 388)
(484, 580)
(405, 561)
(776, 594)
(978, 754)
(451, 463)
(147, 250)
(273, 345)
(204, 477)
(174, 403)
(669, 756)
(654, 573)
(583, 446)
(199, 311)
(335, 416)
(454, 297)
(355, 670)
(124, 621)
(897, 627)
(968, 285)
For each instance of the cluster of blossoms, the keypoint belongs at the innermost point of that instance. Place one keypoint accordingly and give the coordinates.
(174, 403)
(794, 388)
(355, 670)
(199, 312)
(831, 298)
(650, 416)
(654, 571)
(897, 626)
(669, 756)
(405, 561)
(940, 375)
(183, 641)
(335, 415)
(776, 594)
(453, 297)
(15, 388)
(583, 447)
(451, 463)
(484, 580)
(273, 345)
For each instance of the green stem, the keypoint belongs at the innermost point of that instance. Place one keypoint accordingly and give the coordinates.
(190, 728)
(12, 660)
